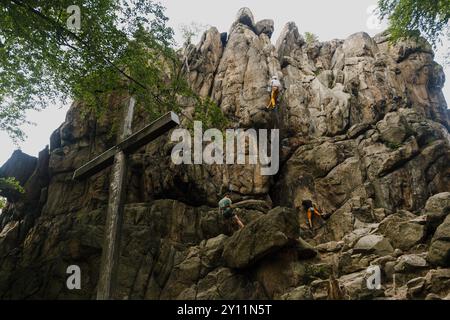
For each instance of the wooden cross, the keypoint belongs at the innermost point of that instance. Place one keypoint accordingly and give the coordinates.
(117, 157)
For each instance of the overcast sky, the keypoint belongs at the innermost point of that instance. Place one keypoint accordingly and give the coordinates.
(328, 19)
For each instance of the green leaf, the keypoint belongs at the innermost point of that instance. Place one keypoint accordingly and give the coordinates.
(12, 184)
(413, 18)
(122, 46)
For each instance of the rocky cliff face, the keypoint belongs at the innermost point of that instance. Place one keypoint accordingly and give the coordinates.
(365, 135)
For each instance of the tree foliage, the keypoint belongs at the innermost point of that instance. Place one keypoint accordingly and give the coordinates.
(11, 183)
(310, 37)
(2, 203)
(121, 46)
(412, 18)
(191, 31)
(210, 114)
(9, 186)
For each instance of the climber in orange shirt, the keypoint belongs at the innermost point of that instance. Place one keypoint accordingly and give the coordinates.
(275, 88)
(311, 210)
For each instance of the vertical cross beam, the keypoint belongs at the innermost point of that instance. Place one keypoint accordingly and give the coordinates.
(117, 157)
(114, 217)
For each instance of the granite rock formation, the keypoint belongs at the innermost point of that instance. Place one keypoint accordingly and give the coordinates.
(364, 133)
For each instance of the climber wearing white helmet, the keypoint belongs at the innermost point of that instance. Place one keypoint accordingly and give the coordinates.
(274, 88)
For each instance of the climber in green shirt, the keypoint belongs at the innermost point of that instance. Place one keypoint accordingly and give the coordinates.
(225, 208)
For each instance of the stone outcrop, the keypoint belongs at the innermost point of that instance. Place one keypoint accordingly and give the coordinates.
(439, 252)
(437, 208)
(404, 229)
(19, 165)
(364, 132)
(373, 243)
(275, 230)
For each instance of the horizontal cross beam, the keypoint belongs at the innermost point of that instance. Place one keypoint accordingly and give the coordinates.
(129, 145)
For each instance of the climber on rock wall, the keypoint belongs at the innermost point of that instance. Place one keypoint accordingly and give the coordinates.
(225, 208)
(311, 210)
(274, 88)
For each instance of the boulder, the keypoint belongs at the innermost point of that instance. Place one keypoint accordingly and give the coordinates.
(350, 263)
(245, 16)
(20, 166)
(436, 284)
(299, 293)
(439, 251)
(289, 42)
(295, 272)
(319, 289)
(331, 246)
(264, 236)
(410, 262)
(436, 209)
(432, 296)
(259, 205)
(212, 250)
(351, 238)
(358, 45)
(398, 157)
(415, 287)
(265, 26)
(372, 243)
(393, 128)
(403, 230)
(438, 281)
(355, 286)
(305, 250)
